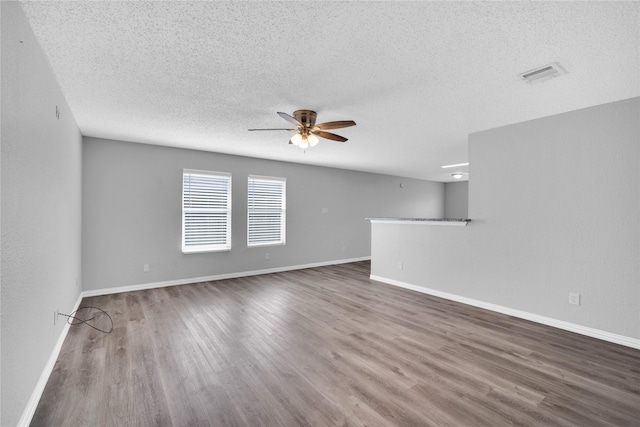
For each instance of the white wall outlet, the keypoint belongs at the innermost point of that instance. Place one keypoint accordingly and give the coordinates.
(344, 249)
(266, 255)
(55, 316)
(325, 210)
(399, 266)
(145, 268)
(574, 299)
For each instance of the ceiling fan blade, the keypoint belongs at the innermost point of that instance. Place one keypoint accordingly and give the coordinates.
(334, 125)
(290, 119)
(328, 135)
(291, 130)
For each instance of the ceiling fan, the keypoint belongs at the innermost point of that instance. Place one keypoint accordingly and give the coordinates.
(307, 129)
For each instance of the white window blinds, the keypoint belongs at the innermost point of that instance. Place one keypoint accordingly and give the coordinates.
(206, 211)
(266, 206)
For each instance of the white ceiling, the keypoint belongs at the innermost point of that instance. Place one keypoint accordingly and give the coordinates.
(417, 78)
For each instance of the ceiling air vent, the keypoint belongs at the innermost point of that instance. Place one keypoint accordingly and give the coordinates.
(543, 73)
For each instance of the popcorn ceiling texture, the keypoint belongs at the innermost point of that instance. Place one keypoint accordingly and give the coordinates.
(416, 77)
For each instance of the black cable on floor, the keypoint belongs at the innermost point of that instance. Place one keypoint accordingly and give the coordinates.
(86, 322)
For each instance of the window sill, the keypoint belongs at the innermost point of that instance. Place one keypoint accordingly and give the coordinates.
(261, 245)
(205, 250)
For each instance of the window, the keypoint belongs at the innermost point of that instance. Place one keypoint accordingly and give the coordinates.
(266, 209)
(206, 211)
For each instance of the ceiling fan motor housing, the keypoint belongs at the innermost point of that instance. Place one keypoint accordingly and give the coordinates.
(306, 117)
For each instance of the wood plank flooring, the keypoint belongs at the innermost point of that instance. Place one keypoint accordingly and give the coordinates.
(329, 347)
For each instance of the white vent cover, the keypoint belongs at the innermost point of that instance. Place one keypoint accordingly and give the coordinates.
(543, 73)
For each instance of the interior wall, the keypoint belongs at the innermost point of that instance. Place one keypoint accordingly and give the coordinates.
(555, 209)
(559, 201)
(132, 213)
(456, 199)
(41, 212)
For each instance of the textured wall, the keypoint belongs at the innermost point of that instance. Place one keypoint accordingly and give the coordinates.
(132, 213)
(555, 208)
(456, 199)
(41, 211)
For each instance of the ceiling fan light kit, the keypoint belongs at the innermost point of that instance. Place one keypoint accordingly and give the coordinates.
(308, 132)
(305, 140)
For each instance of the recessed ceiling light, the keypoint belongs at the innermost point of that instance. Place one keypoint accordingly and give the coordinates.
(457, 175)
(455, 166)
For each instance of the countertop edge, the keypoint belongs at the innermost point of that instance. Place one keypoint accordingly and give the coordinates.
(422, 221)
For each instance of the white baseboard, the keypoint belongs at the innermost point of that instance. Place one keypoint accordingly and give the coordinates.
(130, 288)
(561, 324)
(32, 405)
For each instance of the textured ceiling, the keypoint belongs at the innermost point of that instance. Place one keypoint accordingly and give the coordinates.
(416, 77)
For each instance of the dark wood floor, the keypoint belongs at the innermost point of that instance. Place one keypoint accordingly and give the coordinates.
(329, 347)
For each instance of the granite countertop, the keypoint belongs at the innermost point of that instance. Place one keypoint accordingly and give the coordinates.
(419, 219)
(434, 221)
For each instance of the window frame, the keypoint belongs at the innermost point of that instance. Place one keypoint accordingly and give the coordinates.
(283, 211)
(191, 249)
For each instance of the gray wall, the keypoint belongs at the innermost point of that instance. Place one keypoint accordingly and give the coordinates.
(456, 199)
(555, 208)
(132, 213)
(41, 211)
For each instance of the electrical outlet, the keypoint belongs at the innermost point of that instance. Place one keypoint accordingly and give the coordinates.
(145, 268)
(55, 316)
(574, 299)
(399, 266)
(325, 210)
(266, 255)
(344, 249)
